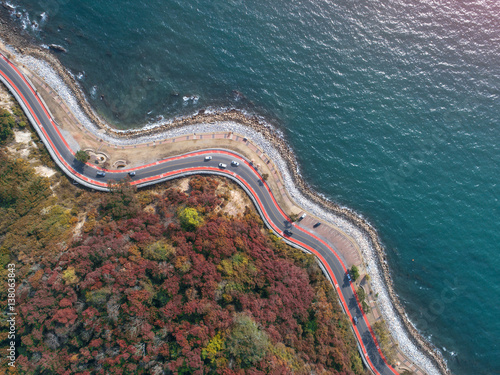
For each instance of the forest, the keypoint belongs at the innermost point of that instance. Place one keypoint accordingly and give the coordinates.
(159, 281)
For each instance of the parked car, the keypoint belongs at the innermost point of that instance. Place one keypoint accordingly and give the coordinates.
(355, 320)
(222, 165)
(208, 158)
(287, 232)
(101, 174)
(316, 225)
(235, 163)
(302, 217)
(348, 276)
(131, 174)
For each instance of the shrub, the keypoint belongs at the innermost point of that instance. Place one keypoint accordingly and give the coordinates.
(190, 218)
(159, 250)
(7, 122)
(354, 273)
(69, 276)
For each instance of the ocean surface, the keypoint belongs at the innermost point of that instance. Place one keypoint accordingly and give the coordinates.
(391, 106)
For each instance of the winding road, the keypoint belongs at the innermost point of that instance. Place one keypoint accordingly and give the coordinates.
(245, 175)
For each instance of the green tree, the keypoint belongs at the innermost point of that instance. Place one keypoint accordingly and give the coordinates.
(362, 299)
(247, 343)
(354, 273)
(265, 176)
(190, 218)
(82, 156)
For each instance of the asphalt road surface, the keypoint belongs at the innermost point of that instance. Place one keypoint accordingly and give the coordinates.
(245, 174)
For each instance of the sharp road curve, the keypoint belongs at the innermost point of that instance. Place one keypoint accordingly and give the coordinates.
(194, 163)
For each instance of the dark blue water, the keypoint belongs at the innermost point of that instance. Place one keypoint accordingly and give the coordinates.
(392, 108)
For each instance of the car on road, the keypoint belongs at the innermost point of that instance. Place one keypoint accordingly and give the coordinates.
(222, 165)
(208, 158)
(131, 174)
(101, 174)
(288, 232)
(348, 276)
(235, 163)
(355, 320)
(316, 225)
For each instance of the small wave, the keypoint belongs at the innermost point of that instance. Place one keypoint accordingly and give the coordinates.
(93, 92)
(25, 20)
(80, 76)
(238, 95)
(24, 24)
(452, 353)
(192, 98)
(23, 17)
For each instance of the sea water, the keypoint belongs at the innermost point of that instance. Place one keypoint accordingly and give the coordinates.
(391, 107)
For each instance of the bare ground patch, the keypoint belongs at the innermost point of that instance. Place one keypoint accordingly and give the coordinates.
(5, 98)
(45, 171)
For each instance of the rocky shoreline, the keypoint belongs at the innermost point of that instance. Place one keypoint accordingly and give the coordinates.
(411, 341)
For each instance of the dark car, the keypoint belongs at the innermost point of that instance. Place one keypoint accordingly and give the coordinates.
(348, 276)
(101, 174)
(316, 225)
(287, 232)
(131, 174)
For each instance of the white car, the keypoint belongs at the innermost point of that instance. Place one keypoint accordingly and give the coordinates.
(222, 165)
(101, 174)
(131, 174)
(208, 158)
(235, 163)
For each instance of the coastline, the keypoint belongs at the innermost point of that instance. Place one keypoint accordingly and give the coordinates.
(278, 150)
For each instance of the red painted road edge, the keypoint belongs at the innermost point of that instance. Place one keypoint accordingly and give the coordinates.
(242, 181)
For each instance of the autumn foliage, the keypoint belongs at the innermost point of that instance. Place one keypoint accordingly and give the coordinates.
(164, 282)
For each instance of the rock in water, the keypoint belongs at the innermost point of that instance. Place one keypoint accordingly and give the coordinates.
(9, 7)
(57, 48)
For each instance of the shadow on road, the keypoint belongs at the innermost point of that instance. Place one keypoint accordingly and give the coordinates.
(78, 166)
